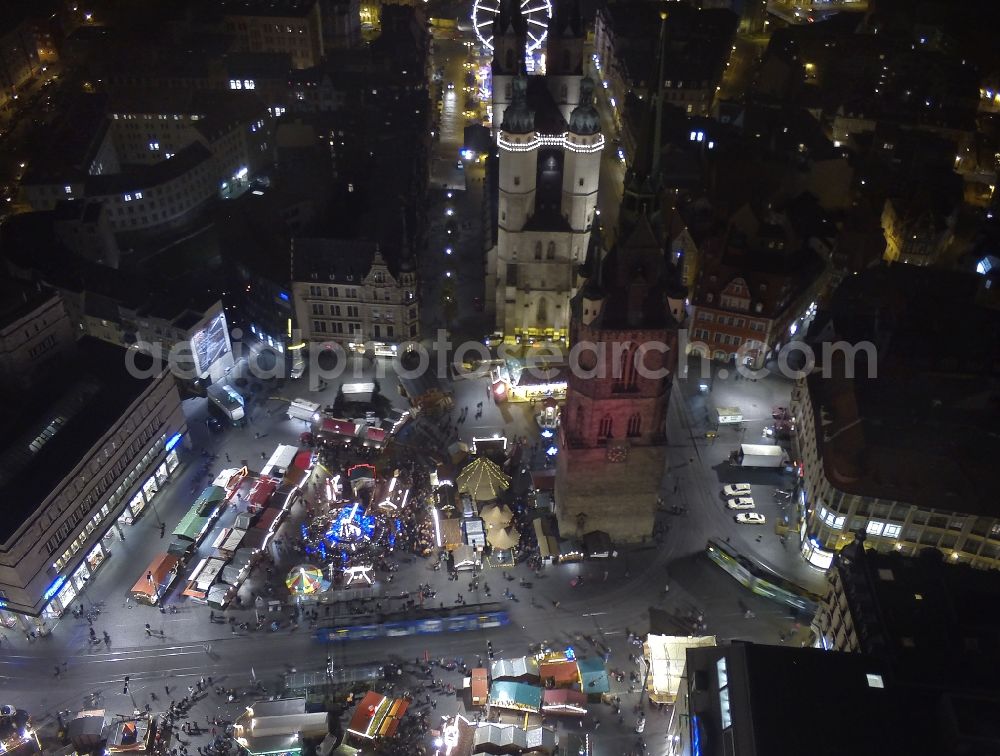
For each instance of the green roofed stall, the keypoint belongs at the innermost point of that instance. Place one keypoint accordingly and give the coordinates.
(593, 676)
(209, 500)
(190, 526)
(506, 694)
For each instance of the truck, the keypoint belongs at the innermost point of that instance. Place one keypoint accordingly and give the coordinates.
(728, 415)
(759, 455)
(226, 402)
(303, 409)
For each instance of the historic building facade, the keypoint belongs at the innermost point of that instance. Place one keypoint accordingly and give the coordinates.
(346, 291)
(627, 313)
(550, 140)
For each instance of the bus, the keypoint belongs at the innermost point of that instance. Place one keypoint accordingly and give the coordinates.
(227, 402)
(761, 580)
(415, 622)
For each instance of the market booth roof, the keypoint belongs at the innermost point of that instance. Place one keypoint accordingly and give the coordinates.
(497, 516)
(521, 668)
(560, 672)
(209, 498)
(564, 701)
(593, 676)
(268, 727)
(503, 538)
(507, 694)
(509, 738)
(377, 716)
(190, 525)
(483, 480)
(667, 655)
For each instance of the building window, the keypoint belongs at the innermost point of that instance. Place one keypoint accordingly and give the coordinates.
(317, 309)
(635, 425)
(517, 181)
(892, 531)
(352, 311)
(319, 326)
(875, 527)
(538, 250)
(550, 253)
(606, 427)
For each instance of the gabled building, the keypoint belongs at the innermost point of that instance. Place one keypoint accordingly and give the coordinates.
(346, 291)
(757, 288)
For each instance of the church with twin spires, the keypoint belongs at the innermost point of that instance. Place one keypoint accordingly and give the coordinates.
(554, 280)
(549, 142)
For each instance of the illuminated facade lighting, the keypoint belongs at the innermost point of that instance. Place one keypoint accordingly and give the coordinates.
(546, 140)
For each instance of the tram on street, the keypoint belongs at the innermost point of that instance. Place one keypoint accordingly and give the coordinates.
(760, 579)
(415, 622)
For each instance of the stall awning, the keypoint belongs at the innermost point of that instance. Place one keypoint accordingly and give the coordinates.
(506, 694)
(564, 701)
(267, 518)
(190, 525)
(209, 499)
(593, 676)
(338, 427)
(261, 492)
(451, 533)
(548, 546)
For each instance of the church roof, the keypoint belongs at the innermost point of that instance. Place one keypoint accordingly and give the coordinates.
(567, 19)
(548, 117)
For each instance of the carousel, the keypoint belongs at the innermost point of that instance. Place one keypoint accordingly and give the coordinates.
(547, 417)
(482, 480)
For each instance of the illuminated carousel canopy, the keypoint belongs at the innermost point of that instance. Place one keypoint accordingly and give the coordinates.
(483, 480)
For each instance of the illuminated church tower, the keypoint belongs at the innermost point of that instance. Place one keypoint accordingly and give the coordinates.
(549, 142)
(614, 420)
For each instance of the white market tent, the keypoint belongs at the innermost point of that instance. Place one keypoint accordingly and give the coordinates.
(666, 655)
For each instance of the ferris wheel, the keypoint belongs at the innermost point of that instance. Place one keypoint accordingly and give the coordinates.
(536, 14)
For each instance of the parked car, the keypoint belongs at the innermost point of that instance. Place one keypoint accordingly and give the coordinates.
(743, 502)
(750, 518)
(737, 489)
(213, 424)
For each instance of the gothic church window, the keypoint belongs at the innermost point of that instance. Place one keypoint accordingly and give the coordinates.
(635, 425)
(606, 427)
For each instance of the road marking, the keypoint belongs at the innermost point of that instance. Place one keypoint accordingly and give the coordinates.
(594, 614)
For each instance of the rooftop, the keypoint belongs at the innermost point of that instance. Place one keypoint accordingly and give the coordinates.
(944, 619)
(332, 260)
(780, 697)
(48, 432)
(18, 298)
(146, 176)
(923, 431)
(272, 8)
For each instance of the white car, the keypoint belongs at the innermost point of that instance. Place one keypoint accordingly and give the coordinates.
(750, 518)
(741, 502)
(737, 489)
